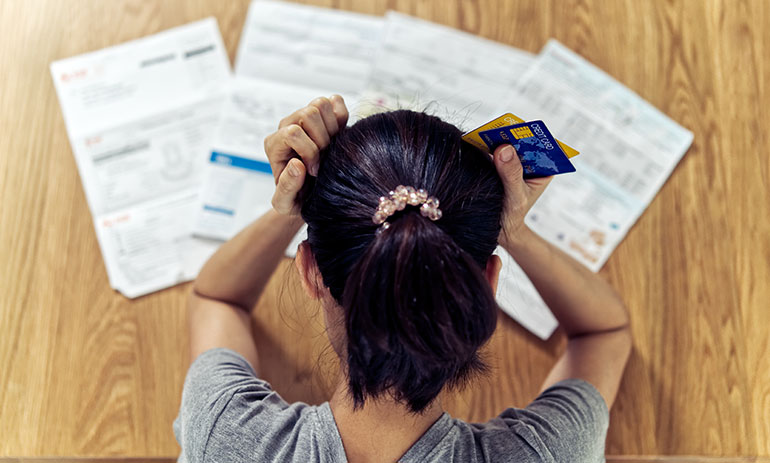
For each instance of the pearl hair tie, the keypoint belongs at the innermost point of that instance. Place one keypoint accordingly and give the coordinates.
(403, 196)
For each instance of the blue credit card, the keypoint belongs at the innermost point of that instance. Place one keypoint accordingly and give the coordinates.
(540, 154)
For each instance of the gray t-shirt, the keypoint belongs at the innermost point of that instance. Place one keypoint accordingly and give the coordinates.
(230, 415)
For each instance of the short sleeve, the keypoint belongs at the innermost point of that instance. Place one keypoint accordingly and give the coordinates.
(567, 422)
(213, 379)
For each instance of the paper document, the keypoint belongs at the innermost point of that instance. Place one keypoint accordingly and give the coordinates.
(327, 49)
(139, 118)
(454, 75)
(288, 55)
(169, 145)
(239, 183)
(628, 150)
(518, 298)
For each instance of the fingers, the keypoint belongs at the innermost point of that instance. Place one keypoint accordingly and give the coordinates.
(512, 173)
(305, 132)
(277, 154)
(318, 122)
(310, 120)
(537, 186)
(281, 146)
(538, 183)
(509, 167)
(289, 183)
(340, 110)
(326, 110)
(322, 113)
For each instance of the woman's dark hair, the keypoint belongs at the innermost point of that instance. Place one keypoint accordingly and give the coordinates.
(416, 304)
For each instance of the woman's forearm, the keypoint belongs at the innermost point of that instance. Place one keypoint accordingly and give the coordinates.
(581, 301)
(239, 270)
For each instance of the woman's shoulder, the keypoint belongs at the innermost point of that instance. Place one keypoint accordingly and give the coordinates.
(227, 410)
(566, 422)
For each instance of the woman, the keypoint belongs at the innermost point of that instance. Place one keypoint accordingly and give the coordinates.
(402, 218)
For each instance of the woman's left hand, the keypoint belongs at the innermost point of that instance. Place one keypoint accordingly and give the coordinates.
(304, 133)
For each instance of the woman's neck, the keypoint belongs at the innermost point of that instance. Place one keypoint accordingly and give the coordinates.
(383, 430)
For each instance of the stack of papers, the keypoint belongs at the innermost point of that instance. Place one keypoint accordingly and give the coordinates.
(169, 142)
(288, 55)
(628, 150)
(138, 117)
(452, 74)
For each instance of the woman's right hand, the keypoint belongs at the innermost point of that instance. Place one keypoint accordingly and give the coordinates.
(520, 194)
(302, 135)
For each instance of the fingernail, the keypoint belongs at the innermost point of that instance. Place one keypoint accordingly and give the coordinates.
(315, 170)
(293, 170)
(506, 154)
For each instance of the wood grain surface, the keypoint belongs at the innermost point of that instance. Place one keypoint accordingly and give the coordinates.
(86, 372)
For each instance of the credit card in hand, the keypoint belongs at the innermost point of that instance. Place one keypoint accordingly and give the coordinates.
(474, 139)
(539, 152)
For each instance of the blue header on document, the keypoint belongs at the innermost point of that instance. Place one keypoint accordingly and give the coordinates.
(240, 162)
(219, 210)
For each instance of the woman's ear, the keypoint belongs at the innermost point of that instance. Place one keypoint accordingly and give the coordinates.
(308, 271)
(492, 272)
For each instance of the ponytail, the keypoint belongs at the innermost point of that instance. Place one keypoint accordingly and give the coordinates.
(417, 310)
(415, 301)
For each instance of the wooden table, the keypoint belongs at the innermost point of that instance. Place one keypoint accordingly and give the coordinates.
(85, 372)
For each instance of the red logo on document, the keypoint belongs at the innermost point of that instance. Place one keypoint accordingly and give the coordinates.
(119, 219)
(78, 74)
